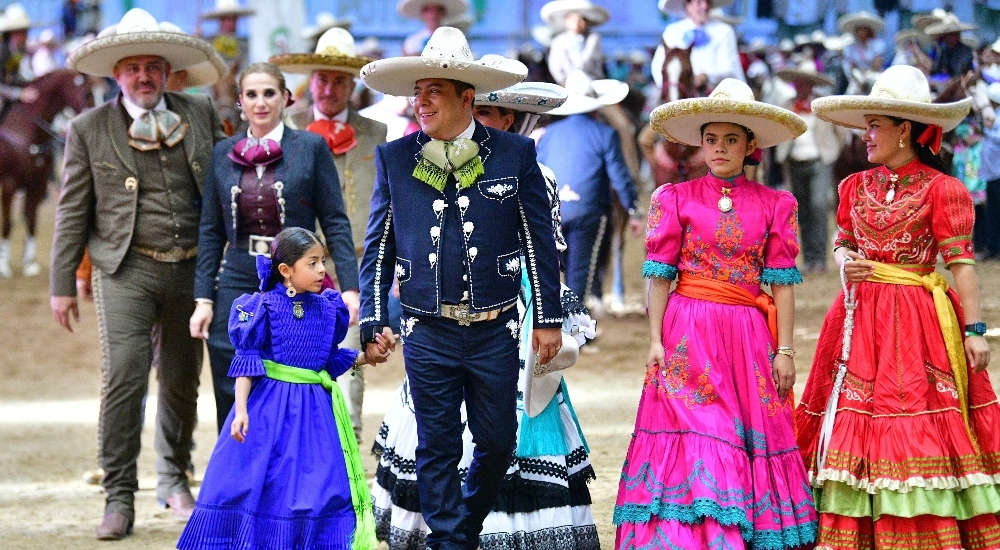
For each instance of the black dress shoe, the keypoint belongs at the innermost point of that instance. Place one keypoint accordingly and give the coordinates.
(115, 526)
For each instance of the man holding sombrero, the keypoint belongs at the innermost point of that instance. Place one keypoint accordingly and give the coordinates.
(455, 207)
(131, 194)
(352, 139)
(235, 50)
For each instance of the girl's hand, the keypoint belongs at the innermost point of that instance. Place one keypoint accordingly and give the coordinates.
(379, 350)
(859, 269)
(241, 423)
(655, 359)
(783, 371)
(977, 352)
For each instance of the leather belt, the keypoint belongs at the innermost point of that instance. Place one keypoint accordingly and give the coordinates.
(465, 317)
(172, 256)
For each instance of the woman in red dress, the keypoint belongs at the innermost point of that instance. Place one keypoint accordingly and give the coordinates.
(897, 423)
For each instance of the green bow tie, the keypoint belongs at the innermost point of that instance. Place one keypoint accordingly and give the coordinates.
(154, 127)
(459, 156)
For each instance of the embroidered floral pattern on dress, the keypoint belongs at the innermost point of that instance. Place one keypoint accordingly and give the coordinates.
(698, 257)
(672, 381)
(653, 220)
(768, 399)
(729, 234)
(793, 225)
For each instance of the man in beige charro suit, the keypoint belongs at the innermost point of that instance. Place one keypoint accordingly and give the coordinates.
(131, 194)
(352, 139)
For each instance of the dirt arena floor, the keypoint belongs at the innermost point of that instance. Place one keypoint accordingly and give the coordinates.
(50, 385)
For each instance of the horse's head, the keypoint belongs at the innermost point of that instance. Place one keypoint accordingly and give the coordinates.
(678, 77)
(60, 89)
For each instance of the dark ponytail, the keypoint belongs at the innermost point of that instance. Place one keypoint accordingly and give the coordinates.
(924, 153)
(287, 248)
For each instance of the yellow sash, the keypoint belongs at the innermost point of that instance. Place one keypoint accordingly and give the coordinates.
(937, 285)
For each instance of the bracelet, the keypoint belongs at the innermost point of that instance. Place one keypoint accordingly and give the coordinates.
(972, 333)
(785, 351)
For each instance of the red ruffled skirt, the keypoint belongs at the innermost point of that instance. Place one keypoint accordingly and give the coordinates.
(901, 471)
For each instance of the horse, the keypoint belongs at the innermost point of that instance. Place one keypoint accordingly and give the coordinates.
(26, 145)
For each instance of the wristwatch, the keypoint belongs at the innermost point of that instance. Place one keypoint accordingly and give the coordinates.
(977, 329)
(786, 351)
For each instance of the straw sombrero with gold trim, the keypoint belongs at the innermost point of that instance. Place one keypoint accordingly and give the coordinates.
(950, 23)
(901, 91)
(732, 101)
(138, 33)
(447, 56)
(335, 51)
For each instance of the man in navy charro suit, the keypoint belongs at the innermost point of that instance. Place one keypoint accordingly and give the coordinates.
(454, 208)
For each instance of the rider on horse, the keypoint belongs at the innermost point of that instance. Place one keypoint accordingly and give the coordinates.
(14, 25)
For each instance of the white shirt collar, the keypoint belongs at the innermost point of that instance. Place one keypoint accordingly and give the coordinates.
(136, 111)
(339, 117)
(467, 134)
(274, 135)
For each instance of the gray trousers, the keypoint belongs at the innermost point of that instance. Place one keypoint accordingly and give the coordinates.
(812, 185)
(142, 298)
(352, 384)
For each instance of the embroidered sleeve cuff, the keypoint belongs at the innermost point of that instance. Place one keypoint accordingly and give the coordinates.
(246, 365)
(652, 268)
(781, 276)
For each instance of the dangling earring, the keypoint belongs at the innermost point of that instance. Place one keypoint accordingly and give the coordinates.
(289, 291)
(901, 144)
(243, 116)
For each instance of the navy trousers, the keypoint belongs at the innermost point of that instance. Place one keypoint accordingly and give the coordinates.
(587, 240)
(446, 363)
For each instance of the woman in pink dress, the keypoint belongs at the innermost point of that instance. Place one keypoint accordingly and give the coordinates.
(713, 462)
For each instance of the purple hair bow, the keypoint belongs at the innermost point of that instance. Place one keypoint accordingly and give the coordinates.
(263, 271)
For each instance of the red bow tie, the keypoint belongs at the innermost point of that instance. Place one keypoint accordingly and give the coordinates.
(339, 136)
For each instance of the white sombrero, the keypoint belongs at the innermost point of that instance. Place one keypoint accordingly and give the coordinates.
(901, 91)
(731, 101)
(138, 33)
(720, 15)
(207, 72)
(528, 97)
(16, 18)
(839, 42)
(586, 95)
(447, 55)
(677, 6)
(554, 13)
(412, 8)
(543, 380)
(324, 22)
(335, 51)
(227, 8)
(947, 25)
(920, 21)
(851, 21)
(912, 35)
(806, 71)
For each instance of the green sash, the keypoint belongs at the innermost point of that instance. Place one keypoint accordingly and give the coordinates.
(364, 531)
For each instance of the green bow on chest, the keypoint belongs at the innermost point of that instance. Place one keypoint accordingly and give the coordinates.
(459, 156)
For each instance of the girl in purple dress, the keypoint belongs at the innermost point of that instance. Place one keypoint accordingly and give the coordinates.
(713, 462)
(291, 475)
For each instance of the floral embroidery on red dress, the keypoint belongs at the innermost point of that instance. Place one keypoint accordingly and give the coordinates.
(926, 215)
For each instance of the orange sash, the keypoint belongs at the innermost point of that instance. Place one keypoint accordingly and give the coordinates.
(722, 292)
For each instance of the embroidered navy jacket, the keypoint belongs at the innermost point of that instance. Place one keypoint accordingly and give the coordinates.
(504, 215)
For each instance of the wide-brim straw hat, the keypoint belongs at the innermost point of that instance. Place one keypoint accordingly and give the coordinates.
(948, 25)
(138, 33)
(805, 72)
(412, 8)
(732, 101)
(207, 72)
(335, 51)
(585, 95)
(851, 21)
(16, 18)
(676, 7)
(227, 8)
(554, 13)
(526, 97)
(446, 55)
(901, 91)
(462, 22)
(839, 42)
(815, 38)
(719, 15)
(920, 21)
(912, 35)
(538, 390)
(324, 22)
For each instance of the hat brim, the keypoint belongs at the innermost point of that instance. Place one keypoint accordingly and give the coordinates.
(681, 121)
(412, 8)
(850, 110)
(938, 30)
(795, 75)
(609, 92)
(677, 6)
(554, 14)
(922, 21)
(533, 97)
(539, 390)
(904, 36)
(398, 75)
(219, 14)
(206, 73)
(312, 33)
(848, 24)
(306, 63)
(99, 57)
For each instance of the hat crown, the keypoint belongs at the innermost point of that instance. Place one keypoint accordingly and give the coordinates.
(579, 82)
(336, 42)
(226, 5)
(325, 18)
(904, 83)
(137, 20)
(448, 43)
(734, 90)
(15, 15)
